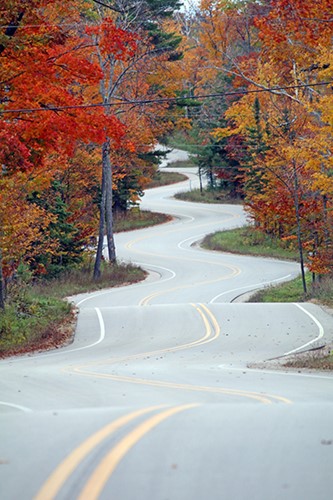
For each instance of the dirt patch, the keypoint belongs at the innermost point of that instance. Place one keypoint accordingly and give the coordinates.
(319, 359)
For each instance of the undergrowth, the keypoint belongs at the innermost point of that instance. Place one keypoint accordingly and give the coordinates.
(37, 316)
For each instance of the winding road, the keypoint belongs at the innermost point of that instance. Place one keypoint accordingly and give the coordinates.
(163, 395)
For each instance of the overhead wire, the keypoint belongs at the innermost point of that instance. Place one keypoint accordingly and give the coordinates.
(162, 100)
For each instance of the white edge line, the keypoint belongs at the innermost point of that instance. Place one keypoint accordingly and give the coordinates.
(250, 287)
(63, 351)
(101, 334)
(18, 407)
(320, 327)
(194, 238)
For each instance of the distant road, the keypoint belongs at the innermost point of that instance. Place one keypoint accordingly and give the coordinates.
(154, 399)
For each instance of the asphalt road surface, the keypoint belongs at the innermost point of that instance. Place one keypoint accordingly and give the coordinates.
(163, 395)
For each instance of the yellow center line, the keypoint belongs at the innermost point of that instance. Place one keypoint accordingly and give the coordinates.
(56, 480)
(106, 467)
(235, 271)
(202, 340)
(213, 320)
(206, 315)
(129, 244)
(262, 398)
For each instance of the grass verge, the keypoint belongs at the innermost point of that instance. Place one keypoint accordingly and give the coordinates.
(37, 317)
(246, 240)
(138, 219)
(177, 141)
(207, 196)
(35, 323)
(182, 164)
(166, 178)
(292, 291)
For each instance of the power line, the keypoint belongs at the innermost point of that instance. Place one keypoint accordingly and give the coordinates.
(161, 100)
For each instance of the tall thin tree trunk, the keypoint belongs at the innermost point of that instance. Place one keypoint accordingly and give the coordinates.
(100, 243)
(326, 223)
(105, 218)
(2, 285)
(298, 225)
(200, 179)
(108, 201)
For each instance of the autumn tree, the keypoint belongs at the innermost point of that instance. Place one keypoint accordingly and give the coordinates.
(45, 69)
(281, 50)
(128, 39)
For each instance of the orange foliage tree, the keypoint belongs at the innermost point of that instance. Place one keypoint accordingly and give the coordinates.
(44, 75)
(64, 66)
(283, 51)
(127, 77)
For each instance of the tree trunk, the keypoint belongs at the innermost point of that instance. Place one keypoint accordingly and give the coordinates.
(200, 179)
(100, 243)
(105, 218)
(299, 232)
(2, 286)
(326, 223)
(107, 167)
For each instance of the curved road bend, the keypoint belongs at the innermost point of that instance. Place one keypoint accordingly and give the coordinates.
(154, 399)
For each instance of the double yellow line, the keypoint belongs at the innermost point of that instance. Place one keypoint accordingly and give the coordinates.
(101, 474)
(212, 332)
(107, 465)
(235, 271)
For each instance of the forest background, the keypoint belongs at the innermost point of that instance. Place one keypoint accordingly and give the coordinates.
(88, 89)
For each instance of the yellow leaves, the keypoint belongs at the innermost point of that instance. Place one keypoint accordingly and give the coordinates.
(23, 224)
(184, 124)
(323, 183)
(326, 108)
(222, 133)
(241, 115)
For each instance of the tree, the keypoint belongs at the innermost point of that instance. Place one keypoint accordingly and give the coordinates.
(125, 69)
(45, 65)
(282, 50)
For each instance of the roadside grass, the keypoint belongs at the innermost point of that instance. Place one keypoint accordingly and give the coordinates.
(137, 219)
(37, 317)
(292, 291)
(208, 196)
(182, 164)
(165, 178)
(246, 240)
(30, 322)
(81, 280)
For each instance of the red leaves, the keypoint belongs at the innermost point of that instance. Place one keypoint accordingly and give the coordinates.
(14, 153)
(112, 40)
(297, 22)
(45, 63)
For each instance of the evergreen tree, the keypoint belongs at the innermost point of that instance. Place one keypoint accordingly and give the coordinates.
(256, 147)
